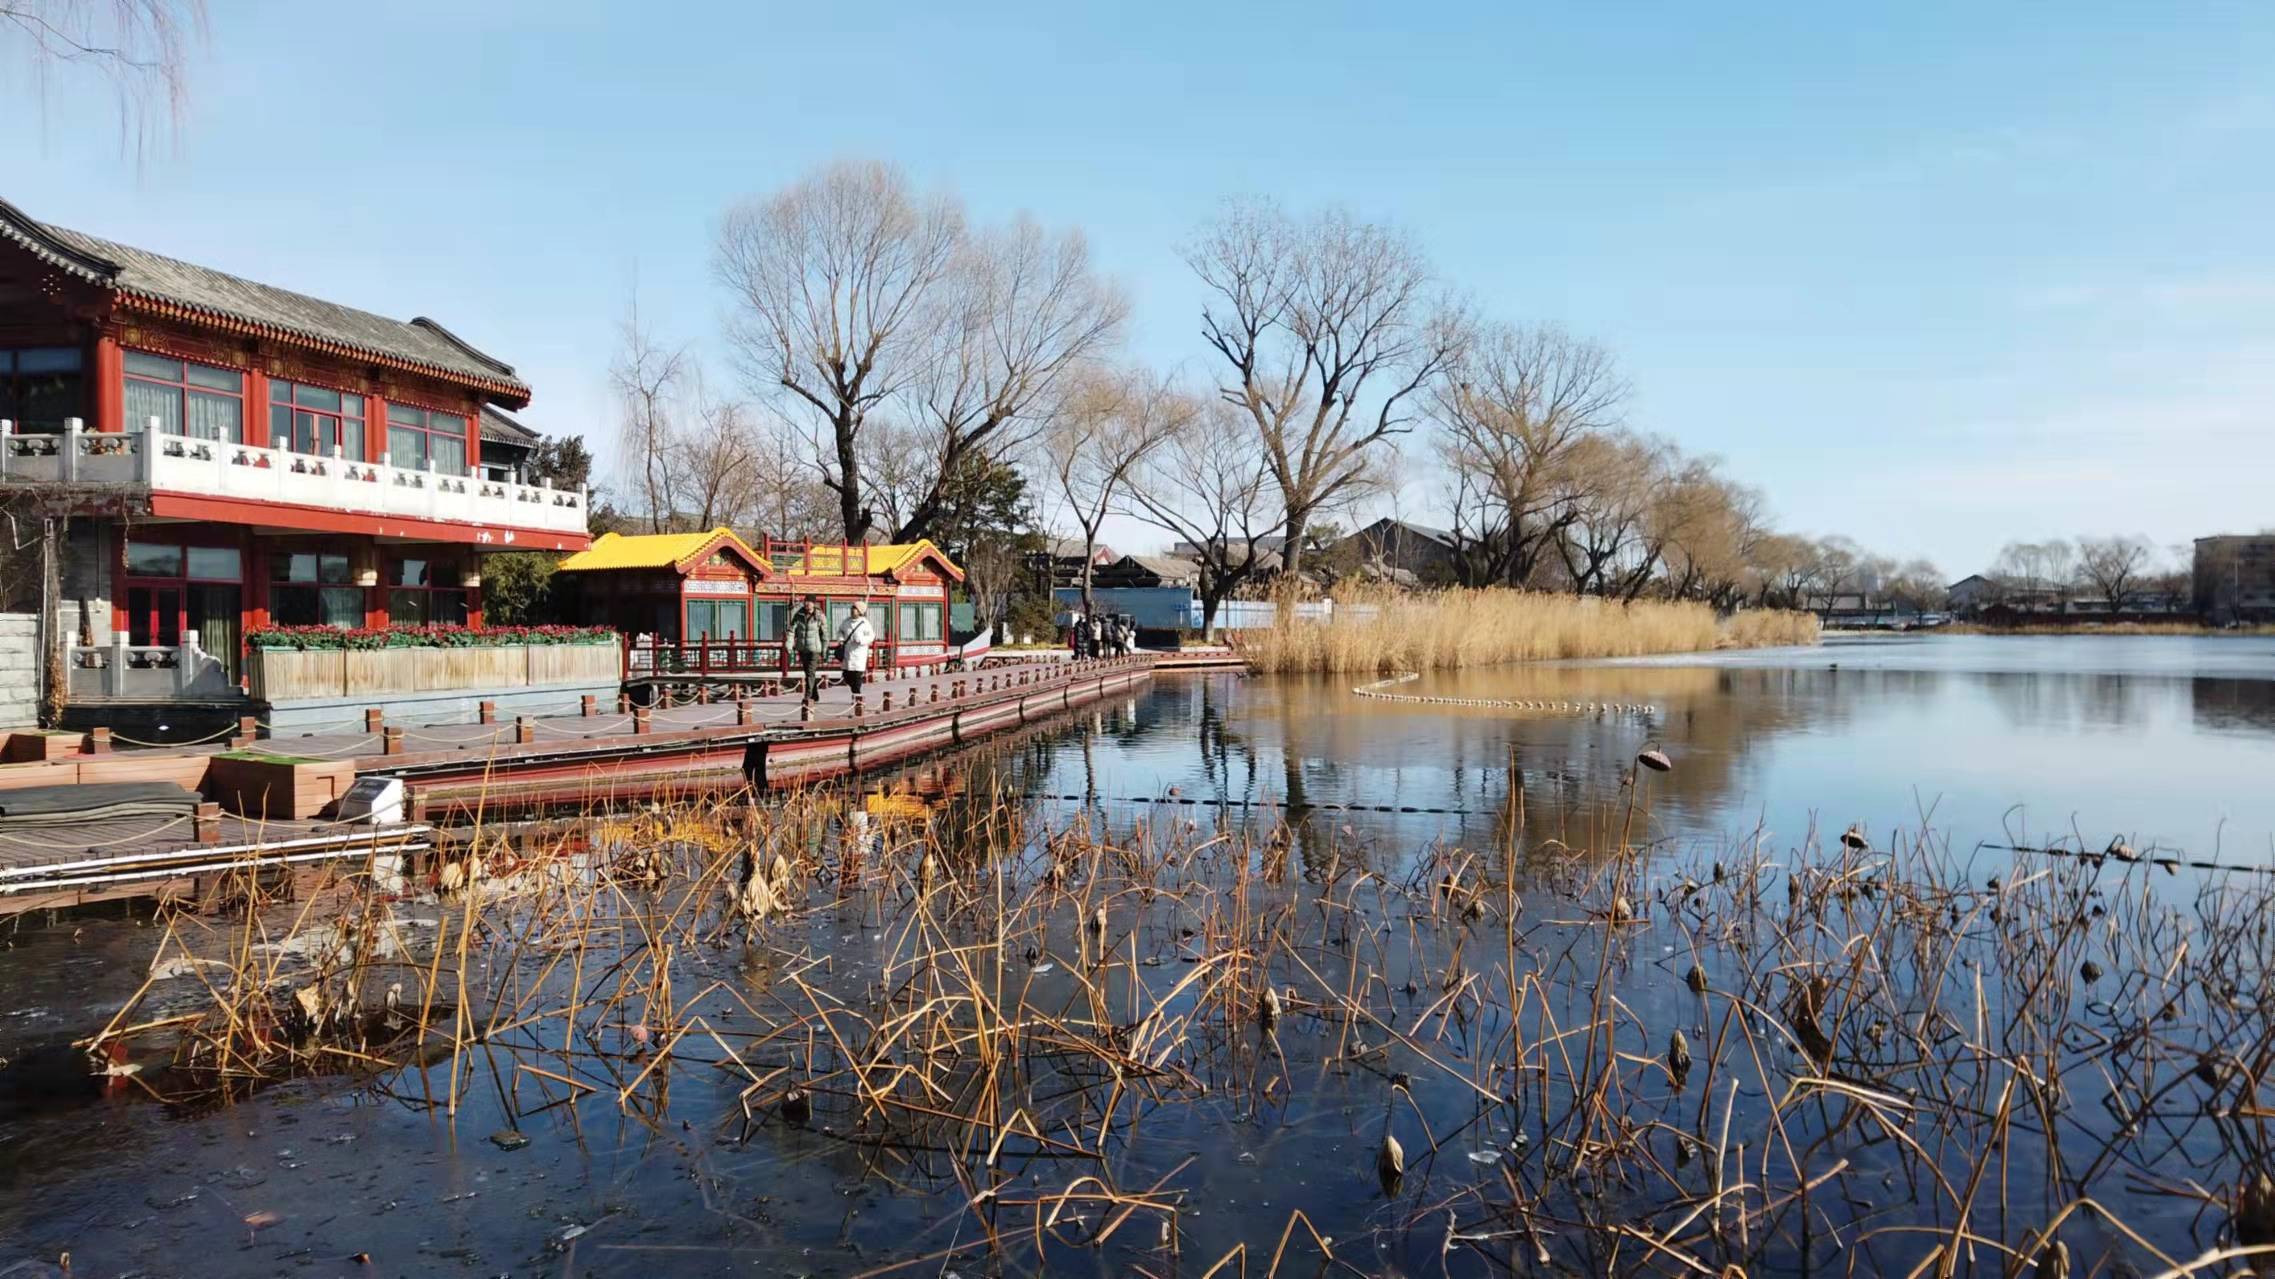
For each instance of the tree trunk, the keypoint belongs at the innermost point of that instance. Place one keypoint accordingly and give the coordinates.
(1089, 554)
(1291, 550)
(849, 472)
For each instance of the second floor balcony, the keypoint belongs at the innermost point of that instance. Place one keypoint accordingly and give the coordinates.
(494, 512)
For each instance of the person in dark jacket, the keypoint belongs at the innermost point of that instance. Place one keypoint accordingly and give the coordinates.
(809, 643)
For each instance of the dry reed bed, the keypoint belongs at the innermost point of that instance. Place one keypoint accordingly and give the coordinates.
(1376, 631)
(1570, 1049)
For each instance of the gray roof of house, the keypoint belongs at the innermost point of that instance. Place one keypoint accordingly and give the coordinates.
(499, 428)
(419, 341)
(1165, 567)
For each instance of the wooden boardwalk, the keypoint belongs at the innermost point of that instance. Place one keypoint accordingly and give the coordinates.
(538, 766)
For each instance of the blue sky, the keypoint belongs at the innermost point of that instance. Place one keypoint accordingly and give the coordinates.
(1937, 277)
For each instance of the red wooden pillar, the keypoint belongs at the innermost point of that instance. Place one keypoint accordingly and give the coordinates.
(256, 405)
(107, 396)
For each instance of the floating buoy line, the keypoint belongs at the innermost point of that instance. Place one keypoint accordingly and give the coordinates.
(1379, 691)
(2170, 861)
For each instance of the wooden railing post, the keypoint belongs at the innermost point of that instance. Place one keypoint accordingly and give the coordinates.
(586, 705)
(391, 741)
(374, 719)
(524, 730)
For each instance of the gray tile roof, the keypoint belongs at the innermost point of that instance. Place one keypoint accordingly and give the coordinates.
(498, 428)
(420, 342)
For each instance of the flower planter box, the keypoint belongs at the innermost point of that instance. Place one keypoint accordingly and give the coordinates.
(259, 784)
(37, 746)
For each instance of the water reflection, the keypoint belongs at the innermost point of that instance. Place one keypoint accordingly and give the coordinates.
(2165, 740)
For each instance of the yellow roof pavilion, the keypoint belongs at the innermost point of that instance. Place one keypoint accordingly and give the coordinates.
(883, 559)
(657, 550)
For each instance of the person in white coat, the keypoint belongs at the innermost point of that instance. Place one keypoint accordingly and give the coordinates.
(853, 642)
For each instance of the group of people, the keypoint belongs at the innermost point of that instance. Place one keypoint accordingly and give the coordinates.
(809, 643)
(1096, 635)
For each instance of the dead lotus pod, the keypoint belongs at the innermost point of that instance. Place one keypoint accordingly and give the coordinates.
(1268, 1008)
(1695, 979)
(2054, 1261)
(2255, 1210)
(1678, 1056)
(1655, 759)
(2090, 970)
(1390, 1165)
(797, 1105)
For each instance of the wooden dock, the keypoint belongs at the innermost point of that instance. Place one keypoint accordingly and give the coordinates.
(456, 774)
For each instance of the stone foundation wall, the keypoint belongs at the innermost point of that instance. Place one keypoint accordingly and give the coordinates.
(19, 670)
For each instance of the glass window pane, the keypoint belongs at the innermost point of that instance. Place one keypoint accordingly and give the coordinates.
(280, 391)
(280, 427)
(407, 608)
(147, 400)
(352, 405)
(295, 566)
(218, 379)
(216, 563)
(217, 417)
(449, 453)
(343, 606)
(44, 400)
(410, 573)
(405, 415)
(332, 568)
(406, 448)
(153, 559)
(48, 359)
(156, 366)
(317, 397)
(351, 439)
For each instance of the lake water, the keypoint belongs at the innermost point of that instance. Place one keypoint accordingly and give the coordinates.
(1442, 1016)
(2166, 741)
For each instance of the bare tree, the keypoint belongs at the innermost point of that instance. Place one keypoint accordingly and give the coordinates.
(1107, 428)
(142, 47)
(1328, 329)
(836, 281)
(718, 466)
(1209, 486)
(991, 572)
(2114, 566)
(650, 380)
(1513, 410)
(1024, 312)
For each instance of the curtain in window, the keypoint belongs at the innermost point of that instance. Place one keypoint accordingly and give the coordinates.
(407, 448)
(217, 417)
(145, 401)
(449, 452)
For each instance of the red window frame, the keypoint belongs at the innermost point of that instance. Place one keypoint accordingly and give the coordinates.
(329, 425)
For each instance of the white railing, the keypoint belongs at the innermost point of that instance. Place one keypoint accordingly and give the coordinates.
(152, 459)
(120, 669)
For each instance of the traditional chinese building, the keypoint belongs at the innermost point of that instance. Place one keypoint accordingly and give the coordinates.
(684, 590)
(673, 586)
(216, 455)
(906, 584)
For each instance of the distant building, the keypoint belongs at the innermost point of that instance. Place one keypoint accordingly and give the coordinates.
(1398, 551)
(2234, 578)
(1973, 593)
(1059, 563)
(1148, 570)
(1263, 545)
